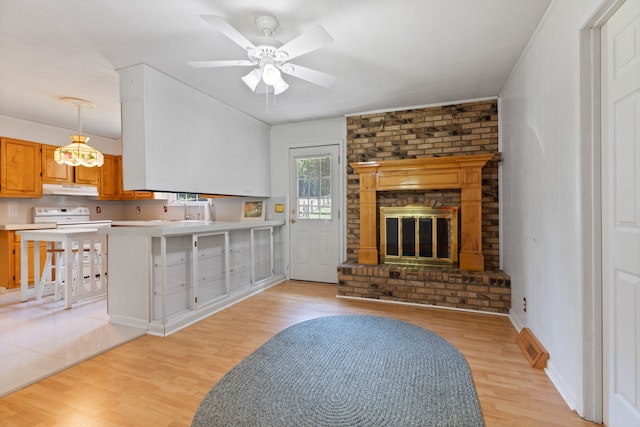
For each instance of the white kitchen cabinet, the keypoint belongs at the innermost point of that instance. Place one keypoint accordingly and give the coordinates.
(192, 271)
(262, 257)
(173, 287)
(239, 260)
(158, 111)
(210, 268)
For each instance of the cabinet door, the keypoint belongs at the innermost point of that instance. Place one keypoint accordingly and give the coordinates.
(143, 195)
(17, 258)
(173, 293)
(131, 194)
(87, 176)
(7, 265)
(53, 172)
(124, 194)
(20, 168)
(261, 254)
(239, 260)
(109, 179)
(210, 267)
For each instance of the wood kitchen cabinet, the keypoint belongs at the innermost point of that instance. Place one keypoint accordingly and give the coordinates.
(110, 187)
(20, 168)
(130, 194)
(87, 176)
(109, 180)
(10, 259)
(55, 173)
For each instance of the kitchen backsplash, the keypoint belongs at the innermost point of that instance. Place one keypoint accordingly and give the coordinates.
(20, 211)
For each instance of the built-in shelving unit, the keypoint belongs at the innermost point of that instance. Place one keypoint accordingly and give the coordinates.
(192, 271)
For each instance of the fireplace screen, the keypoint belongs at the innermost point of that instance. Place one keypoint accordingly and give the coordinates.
(419, 235)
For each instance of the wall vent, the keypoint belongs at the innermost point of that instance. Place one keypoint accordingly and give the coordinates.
(532, 349)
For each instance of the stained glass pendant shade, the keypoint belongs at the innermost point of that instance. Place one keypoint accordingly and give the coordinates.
(78, 153)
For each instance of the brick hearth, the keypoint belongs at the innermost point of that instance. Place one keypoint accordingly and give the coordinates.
(445, 287)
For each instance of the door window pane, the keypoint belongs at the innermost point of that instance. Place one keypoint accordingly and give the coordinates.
(314, 188)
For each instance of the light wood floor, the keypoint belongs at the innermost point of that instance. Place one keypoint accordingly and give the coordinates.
(156, 381)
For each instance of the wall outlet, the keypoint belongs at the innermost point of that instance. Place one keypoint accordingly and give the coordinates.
(524, 304)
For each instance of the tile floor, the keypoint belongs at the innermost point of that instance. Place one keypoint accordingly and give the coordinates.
(39, 337)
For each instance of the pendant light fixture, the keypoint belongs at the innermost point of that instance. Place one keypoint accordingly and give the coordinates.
(78, 153)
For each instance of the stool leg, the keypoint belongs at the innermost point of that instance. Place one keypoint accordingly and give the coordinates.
(59, 270)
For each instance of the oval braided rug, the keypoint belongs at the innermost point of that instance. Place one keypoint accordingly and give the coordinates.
(347, 371)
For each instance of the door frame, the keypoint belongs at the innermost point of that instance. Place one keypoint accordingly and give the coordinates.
(342, 201)
(591, 403)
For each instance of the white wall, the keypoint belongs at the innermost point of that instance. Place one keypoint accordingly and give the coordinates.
(540, 142)
(45, 134)
(305, 134)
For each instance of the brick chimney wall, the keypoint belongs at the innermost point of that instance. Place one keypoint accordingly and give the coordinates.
(459, 129)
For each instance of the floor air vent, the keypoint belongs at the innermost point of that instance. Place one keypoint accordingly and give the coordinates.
(532, 349)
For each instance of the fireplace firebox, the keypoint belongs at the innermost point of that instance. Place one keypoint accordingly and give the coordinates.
(419, 235)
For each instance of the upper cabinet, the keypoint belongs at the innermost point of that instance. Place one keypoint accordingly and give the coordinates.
(110, 187)
(20, 168)
(87, 176)
(109, 182)
(177, 139)
(55, 173)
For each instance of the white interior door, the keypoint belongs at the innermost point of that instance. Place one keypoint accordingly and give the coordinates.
(315, 193)
(621, 215)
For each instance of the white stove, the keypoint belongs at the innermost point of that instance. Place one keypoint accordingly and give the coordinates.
(68, 217)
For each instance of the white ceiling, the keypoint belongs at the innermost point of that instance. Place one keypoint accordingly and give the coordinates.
(386, 54)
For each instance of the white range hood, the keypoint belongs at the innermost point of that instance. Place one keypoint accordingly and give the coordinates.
(70, 190)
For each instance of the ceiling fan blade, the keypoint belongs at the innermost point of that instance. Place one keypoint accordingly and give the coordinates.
(313, 39)
(304, 73)
(216, 64)
(225, 28)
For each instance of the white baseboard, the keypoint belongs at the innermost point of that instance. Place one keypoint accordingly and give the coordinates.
(561, 386)
(386, 301)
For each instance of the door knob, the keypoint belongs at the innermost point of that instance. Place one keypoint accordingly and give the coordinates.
(293, 220)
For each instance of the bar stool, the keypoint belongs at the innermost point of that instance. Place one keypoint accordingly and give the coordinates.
(54, 271)
(78, 279)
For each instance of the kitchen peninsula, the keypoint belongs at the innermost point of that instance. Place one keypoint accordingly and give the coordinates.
(166, 275)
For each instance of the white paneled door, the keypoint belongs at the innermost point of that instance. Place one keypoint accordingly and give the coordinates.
(315, 193)
(621, 215)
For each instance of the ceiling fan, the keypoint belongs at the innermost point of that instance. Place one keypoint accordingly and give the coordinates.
(269, 59)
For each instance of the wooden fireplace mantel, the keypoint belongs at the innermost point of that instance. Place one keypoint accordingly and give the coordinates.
(432, 173)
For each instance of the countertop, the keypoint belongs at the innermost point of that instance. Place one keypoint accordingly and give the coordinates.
(167, 228)
(39, 226)
(56, 234)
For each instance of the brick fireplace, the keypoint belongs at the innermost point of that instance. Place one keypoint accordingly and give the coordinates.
(440, 156)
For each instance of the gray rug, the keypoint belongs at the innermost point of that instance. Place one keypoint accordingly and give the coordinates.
(347, 371)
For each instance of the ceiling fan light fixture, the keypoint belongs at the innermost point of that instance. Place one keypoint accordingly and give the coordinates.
(270, 56)
(279, 87)
(271, 75)
(78, 153)
(253, 78)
